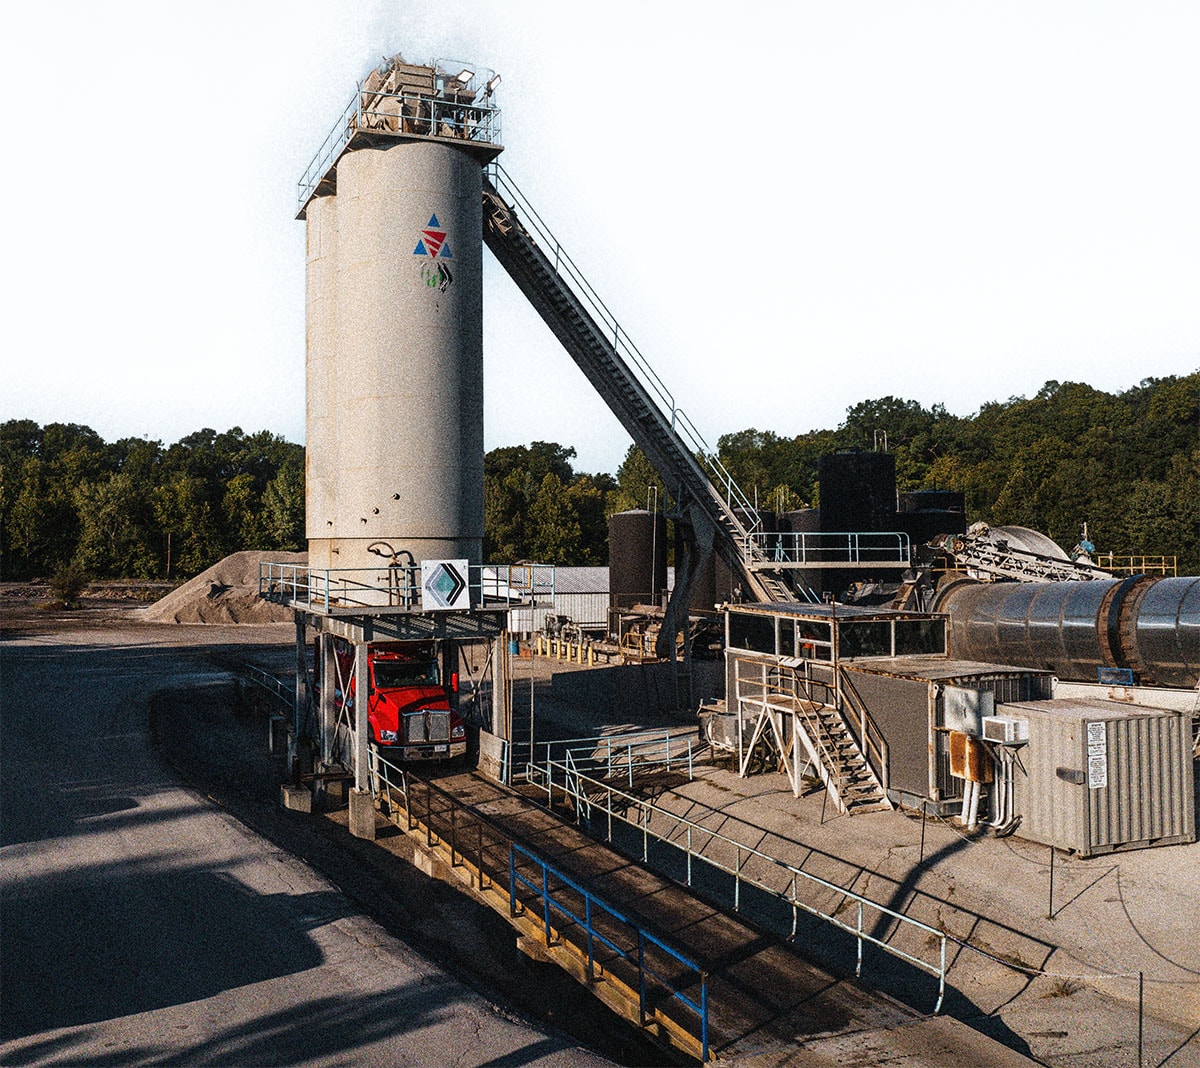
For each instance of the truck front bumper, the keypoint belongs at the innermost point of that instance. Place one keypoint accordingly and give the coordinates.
(428, 751)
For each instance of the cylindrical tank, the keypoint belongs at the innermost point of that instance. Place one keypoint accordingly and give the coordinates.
(1151, 626)
(858, 491)
(637, 556)
(1168, 632)
(924, 514)
(930, 500)
(805, 521)
(399, 430)
(320, 453)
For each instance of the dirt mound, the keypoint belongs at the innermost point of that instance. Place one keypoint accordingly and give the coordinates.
(226, 593)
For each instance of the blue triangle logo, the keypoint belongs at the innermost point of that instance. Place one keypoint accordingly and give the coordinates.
(433, 221)
(445, 254)
(420, 249)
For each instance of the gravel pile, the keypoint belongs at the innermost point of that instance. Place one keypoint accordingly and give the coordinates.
(226, 593)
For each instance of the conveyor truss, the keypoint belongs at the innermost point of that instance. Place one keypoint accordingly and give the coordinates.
(993, 558)
(707, 499)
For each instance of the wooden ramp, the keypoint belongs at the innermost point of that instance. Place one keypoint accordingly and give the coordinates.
(582, 905)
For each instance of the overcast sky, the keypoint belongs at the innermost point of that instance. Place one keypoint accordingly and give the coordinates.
(790, 207)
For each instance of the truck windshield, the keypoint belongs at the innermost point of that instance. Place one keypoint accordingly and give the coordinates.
(394, 674)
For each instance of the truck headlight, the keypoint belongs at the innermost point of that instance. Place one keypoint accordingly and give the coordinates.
(458, 731)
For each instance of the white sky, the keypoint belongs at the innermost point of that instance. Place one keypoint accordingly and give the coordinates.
(791, 208)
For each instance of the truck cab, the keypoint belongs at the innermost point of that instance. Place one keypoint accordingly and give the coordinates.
(408, 706)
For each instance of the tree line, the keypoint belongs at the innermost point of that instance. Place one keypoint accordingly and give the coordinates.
(137, 509)
(1127, 464)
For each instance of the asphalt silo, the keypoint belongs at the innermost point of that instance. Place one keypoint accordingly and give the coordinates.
(924, 514)
(858, 491)
(395, 328)
(800, 522)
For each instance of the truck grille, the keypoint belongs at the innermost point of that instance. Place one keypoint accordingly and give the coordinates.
(426, 726)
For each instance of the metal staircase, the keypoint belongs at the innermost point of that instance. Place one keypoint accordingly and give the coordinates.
(813, 720)
(720, 517)
(848, 777)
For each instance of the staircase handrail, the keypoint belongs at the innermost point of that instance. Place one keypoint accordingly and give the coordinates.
(627, 350)
(808, 706)
(796, 691)
(870, 738)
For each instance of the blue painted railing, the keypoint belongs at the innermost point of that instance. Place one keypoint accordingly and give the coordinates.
(591, 903)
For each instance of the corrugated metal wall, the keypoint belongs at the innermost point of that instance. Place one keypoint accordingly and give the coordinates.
(1132, 787)
(1149, 794)
(1006, 688)
(587, 609)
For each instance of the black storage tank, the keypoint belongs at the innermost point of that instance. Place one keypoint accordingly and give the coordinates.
(858, 491)
(637, 557)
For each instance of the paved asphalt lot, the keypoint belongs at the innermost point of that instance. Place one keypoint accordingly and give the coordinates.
(142, 924)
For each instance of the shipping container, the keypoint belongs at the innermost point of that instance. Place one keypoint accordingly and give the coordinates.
(1098, 775)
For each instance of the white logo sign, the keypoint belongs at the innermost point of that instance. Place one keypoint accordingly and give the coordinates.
(444, 585)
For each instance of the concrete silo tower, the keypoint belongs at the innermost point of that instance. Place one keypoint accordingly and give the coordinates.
(394, 313)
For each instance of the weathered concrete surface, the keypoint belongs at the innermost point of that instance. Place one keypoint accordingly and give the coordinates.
(1063, 990)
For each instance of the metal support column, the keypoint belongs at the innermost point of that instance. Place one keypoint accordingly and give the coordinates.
(362, 702)
(300, 698)
(328, 713)
(501, 688)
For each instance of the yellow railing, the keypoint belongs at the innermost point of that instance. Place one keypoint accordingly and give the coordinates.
(1137, 565)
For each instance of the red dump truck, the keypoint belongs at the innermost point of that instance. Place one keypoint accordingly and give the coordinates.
(409, 705)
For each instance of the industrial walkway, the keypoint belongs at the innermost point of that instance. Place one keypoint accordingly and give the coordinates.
(765, 1003)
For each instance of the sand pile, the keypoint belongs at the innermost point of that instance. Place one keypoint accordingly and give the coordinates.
(226, 593)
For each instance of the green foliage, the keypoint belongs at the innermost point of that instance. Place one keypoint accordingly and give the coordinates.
(134, 509)
(68, 583)
(1127, 464)
(117, 533)
(535, 507)
(283, 507)
(637, 484)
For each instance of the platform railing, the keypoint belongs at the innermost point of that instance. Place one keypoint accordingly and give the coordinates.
(828, 548)
(401, 113)
(626, 753)
(477, 841)
(1138, 565)
(555, 903)
(325, 589)
(696, 841)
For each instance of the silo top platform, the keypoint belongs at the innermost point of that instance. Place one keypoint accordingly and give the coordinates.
(401, 101)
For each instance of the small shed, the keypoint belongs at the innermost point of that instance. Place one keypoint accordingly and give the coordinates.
(917, 701)
(1098, 776)
(580, 594)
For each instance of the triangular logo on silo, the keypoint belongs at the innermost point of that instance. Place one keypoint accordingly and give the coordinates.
(432, 242)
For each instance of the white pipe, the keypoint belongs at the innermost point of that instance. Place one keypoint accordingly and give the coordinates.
(973, 790)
